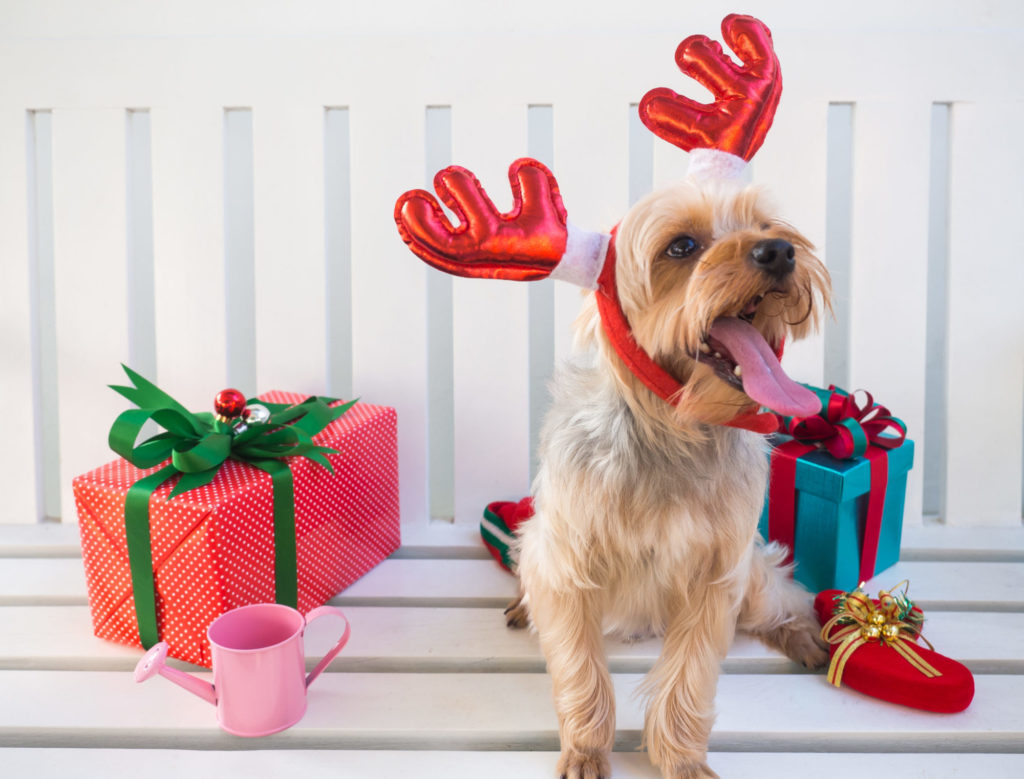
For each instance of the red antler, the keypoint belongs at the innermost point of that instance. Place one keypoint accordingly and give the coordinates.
(524, 244)
(745, 97)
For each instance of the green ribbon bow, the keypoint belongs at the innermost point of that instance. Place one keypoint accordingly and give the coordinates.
(197, 445)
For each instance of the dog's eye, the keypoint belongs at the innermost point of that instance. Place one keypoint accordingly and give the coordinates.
(683, 246)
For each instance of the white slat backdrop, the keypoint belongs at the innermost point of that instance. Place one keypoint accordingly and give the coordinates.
(279, 70)
(285, 69)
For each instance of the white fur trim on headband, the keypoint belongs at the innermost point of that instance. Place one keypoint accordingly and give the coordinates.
(712, 163)
(583, 259)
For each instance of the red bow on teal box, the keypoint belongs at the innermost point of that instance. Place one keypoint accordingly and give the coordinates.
(838, 481)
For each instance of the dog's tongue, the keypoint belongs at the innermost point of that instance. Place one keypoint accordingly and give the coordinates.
(763, 377)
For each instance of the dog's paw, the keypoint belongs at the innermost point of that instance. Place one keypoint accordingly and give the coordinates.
(517, 615)
(801, 642)
(576, 766)
(690, 769)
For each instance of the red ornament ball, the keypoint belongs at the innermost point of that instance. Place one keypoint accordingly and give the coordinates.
(229, 403)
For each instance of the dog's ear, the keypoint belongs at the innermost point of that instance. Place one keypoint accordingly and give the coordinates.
(532, 241)
(736, 123)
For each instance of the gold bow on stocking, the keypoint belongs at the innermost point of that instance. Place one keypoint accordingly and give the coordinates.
(861, 621)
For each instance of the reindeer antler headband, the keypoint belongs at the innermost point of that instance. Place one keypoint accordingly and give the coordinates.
(535, 240)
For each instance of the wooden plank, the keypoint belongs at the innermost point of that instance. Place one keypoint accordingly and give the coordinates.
(888, 294)
(941, 542)
(591, 136)
(288, 145)
(494, 711)
(388, 284)
(433, 640)
(952, 586)
(18, 464)
(792, 167)
(986, 319)
(188, 251)
(490, 330)
(443, 541)
(264, 764)
(89, 243)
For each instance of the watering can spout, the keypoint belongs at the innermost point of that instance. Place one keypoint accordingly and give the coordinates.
(154, 662)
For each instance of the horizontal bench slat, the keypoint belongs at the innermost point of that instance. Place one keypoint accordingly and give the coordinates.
(493, 711)
(432, 640)
(171, 764)
(481, 583)
(444, 541)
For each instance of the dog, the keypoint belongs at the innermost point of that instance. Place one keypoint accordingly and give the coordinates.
(646, 512)
(653, 465)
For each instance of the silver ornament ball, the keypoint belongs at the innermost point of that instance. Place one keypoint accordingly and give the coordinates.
(257, 414)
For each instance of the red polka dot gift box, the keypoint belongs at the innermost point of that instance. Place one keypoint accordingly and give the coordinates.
(213, 548)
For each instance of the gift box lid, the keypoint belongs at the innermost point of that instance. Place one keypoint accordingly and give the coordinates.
(837, 480)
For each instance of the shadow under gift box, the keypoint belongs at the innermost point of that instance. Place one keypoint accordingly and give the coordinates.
(213, 547)
(831, 512)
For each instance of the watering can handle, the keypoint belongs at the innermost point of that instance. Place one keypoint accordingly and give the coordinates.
(324, 611)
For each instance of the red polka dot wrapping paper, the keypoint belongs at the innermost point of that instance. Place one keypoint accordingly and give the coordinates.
(213, 547)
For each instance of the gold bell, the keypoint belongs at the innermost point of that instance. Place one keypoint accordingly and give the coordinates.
(871, 632)
(891, 632)
(878, 618)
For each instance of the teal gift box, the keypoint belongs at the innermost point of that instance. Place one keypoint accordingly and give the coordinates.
(842, 517)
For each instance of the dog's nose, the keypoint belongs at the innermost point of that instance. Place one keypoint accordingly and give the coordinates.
(774, 256)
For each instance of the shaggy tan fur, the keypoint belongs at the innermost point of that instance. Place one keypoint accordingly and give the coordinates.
(646, 513)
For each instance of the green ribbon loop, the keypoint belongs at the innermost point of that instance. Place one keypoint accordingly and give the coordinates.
(198, 444)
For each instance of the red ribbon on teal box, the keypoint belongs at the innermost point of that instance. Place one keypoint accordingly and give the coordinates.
(829, 450)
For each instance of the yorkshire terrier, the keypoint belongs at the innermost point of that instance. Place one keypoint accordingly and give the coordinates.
(653, 471)
(646, 513)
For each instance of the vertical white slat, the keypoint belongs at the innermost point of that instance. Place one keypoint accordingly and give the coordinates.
(17, 458)
(139, 217)
(791, 166)
(492, 457)
(541, 295)
(933, 460)
(188, 251)
(670, 163)
(838, 227)
(43, 305)
(338, 251)
(239, 250)
(389, 283)
(440, 358)
(288, 143)
(641, 156)
(591, 137)
(888, 295)
(89, 262)
(986, 318)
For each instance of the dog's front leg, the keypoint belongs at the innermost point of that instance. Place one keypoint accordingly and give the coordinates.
(569, 627)
(681, 686)
(778, 610)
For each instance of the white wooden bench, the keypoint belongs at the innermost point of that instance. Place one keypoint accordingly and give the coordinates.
(433, 682)
(230, 169)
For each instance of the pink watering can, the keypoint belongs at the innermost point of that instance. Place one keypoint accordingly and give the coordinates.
(259, 667)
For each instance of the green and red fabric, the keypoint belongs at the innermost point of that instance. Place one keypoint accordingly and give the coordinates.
(499, 525)
(192, 448)
(846, 429)
(875, 648)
